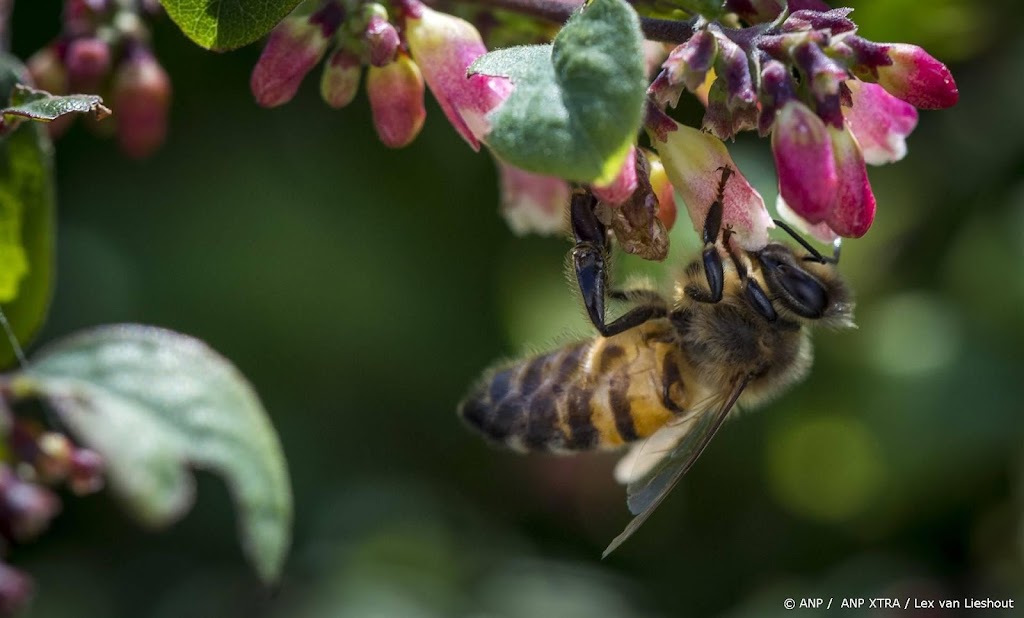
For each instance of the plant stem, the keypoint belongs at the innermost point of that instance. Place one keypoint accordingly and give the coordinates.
(558, 11)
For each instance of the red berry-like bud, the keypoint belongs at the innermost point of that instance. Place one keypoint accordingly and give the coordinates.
(142, 97)
(88, 63)
(86, 472)
(396, 99)
(918, 78)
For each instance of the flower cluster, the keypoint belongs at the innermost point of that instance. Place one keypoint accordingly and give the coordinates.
(35, 461)
(831, 100)
(404, 54)
(104, 49)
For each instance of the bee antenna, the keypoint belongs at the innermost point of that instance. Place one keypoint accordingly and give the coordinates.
(815, 255)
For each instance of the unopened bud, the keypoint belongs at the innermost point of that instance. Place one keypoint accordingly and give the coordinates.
(917, 78)
(47, 71)
(54, 459)
(293, 49)
(86, 472)
(340, 80)
(142, 97)
(824, 74)
(396, 99)
(382, 40)
(25, 508)
(88, 63)
(15, 590)
(622, 187)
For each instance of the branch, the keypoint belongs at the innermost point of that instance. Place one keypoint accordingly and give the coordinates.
(558, 11)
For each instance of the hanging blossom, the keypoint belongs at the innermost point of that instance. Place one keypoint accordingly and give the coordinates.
(831, 101)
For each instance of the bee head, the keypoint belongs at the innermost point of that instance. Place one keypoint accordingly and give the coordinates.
(808, 287)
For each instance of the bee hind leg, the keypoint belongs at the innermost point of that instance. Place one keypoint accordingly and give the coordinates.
(713, 270)
(590, 264)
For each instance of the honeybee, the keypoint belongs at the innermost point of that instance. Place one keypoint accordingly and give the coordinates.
(664, 376)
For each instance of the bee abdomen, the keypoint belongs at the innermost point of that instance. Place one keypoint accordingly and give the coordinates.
(529, 406)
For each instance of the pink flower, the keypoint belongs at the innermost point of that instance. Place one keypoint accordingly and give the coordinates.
(693, 161)
(853, 208)
(295, 46)
(396, 100)
(917, 78)
(804, 161)
(880, 122)
(88, 63)
(142, 97)
(532, 202)
(444, 46)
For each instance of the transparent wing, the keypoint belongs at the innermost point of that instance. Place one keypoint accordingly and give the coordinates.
(647, 454)
(644, 495)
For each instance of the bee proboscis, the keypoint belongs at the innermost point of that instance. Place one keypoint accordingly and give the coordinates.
(665, 375)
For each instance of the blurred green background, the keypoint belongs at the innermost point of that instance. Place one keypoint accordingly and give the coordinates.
(362, 290)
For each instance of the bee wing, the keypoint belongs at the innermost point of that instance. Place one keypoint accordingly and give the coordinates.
(646, 455)
(644, 495)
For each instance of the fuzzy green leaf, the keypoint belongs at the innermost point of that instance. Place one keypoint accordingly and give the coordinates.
(577, 103)
(222, 25)
(27, 221)
(45, 107)
(154, 403)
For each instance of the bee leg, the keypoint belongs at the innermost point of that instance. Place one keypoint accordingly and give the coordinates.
(590, 263)
(712, 258)
(752, 290)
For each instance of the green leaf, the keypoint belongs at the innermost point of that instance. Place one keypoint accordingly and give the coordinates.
(27, 221)
(41, 105)
(154, 403)
(221, 25)
(577, 103)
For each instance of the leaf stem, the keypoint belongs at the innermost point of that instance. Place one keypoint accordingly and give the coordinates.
(558, 11)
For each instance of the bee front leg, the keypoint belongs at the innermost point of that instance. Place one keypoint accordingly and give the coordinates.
(712, 258)
(590, 263)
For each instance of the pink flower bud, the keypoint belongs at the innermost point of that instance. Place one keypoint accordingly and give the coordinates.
(804, 161)
(853, 208)
(880, 122)
(142, 97)
(917, 78)
(733, 67)
(293, 49)
(663, 190)
(382, 39)
(27, 508)
(88, 62)
(693, 161)
(444, 46)
(618, 191)
(396, 99)
(340, 80)
(86, 472)
(532, 203)
(15, 590)
(47, 71)
(54, 458)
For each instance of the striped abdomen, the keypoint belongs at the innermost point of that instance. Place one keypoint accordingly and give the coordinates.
(601, 393)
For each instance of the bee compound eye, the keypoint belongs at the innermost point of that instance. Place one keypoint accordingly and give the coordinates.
(807, 293)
